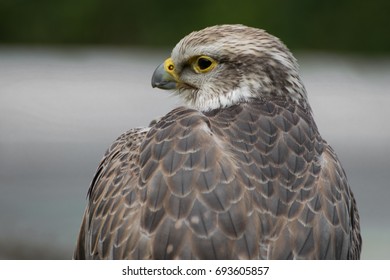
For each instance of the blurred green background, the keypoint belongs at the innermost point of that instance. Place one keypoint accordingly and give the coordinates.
(335, 25)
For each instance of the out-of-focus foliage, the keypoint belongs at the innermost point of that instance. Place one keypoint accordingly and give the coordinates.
(335, 25)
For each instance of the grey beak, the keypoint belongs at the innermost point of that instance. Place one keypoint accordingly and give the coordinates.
(162, 79)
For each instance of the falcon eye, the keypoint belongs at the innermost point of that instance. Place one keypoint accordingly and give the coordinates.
(204, 64)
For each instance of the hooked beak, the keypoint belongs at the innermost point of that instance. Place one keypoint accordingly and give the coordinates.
(164, 77)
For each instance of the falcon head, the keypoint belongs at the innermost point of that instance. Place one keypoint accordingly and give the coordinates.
(223, 65)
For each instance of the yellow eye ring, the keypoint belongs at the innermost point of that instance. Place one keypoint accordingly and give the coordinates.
(204, 64)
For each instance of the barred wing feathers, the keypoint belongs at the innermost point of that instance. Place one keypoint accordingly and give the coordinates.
(254, 180)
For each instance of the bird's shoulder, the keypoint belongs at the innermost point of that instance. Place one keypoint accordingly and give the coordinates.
(120, 157)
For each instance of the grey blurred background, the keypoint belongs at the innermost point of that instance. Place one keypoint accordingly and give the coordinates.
(74, 75)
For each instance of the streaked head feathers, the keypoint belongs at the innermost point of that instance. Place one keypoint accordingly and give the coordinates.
(239, 63)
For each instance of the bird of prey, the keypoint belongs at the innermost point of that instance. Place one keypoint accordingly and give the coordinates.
(239, 172)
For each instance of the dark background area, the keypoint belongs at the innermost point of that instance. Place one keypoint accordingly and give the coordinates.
(75, 74)
(332, 25)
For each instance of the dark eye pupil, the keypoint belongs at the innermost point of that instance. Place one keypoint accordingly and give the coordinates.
(203, 63)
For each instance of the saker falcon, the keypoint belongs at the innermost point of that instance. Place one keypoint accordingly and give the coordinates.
(239, 172)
